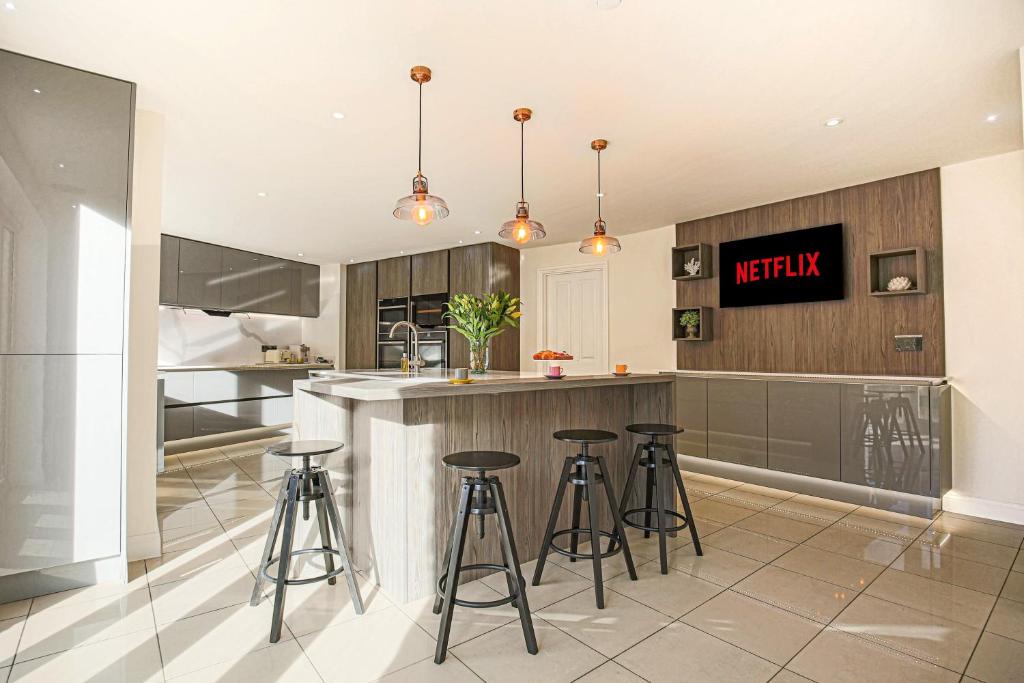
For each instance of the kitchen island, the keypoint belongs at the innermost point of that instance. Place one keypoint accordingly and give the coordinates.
(398, 499)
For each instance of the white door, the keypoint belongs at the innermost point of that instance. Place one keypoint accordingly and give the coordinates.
(575, 316)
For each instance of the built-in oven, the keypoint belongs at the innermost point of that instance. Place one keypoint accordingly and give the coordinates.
(390, 349)
(427, 310)
(434, 348)
(389, 354)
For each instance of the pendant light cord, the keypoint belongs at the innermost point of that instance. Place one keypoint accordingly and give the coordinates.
(419, 144)
(522, 162)
(598, 184)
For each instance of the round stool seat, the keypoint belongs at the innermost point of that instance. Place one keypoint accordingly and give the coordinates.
(481, 461)
(297, 449)
(654, 429)
(586, 436)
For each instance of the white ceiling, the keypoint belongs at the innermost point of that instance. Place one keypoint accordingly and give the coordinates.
(708, 106)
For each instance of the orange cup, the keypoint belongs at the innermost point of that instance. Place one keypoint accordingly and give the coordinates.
(620, 368)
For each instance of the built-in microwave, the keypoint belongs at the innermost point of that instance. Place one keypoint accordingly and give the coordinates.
(427, 310)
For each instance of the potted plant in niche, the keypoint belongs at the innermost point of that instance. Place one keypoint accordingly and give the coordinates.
(690, 322)
(481, 319)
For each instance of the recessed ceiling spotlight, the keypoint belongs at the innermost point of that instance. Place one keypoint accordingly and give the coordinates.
(74, 206)
(607, 4)
(60, 165)
(261, 194)
(300, 254)
(338, 115)
(833, 122)
(460, 241)
(992, 118)
(37, 91)
(476, 232)
(351, 260)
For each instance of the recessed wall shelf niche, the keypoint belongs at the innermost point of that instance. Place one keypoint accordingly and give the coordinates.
(886, 265)
(701, 253)
(703, 332)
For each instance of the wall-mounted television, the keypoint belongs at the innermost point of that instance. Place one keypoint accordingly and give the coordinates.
(785, 268)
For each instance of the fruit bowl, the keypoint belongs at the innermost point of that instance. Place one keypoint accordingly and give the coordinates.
(547, 354)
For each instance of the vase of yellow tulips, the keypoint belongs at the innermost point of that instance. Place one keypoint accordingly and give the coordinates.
(481, 319)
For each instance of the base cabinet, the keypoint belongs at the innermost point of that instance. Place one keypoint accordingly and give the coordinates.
(803, 428)
(737, 421)
(692, 416)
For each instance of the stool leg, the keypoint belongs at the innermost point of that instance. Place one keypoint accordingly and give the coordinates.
(447, 557)
(307, 487)
(481, 502)
(508, 544)
(339, 539)
(577, 506)
(452, 573)
(630, 479)
(674, 464)
(284, 559)
(595, 537)
(660, 508)
(649, 497)
(268, 548)
(325, 532)
(620, 528)
(545, 546)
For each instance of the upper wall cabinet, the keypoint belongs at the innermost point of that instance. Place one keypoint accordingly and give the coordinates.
(393, 278)
(64, 187)
(199, 274)
(429, 273)
(207, 276)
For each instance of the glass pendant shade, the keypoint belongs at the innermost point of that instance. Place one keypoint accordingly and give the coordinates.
(420, 207)
(521, 229)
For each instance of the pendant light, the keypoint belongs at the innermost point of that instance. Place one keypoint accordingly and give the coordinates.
(521, 229)
(420, 207)
(600, 244)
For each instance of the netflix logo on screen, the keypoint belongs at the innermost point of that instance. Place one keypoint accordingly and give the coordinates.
(787, 268)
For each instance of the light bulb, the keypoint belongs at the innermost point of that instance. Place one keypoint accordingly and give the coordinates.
(423, 214)
(522, 232)
(599, 246)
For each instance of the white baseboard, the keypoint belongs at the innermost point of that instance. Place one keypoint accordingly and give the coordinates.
(982, 507)
(143, 546)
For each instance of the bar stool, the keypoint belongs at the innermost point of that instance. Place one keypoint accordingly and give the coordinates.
(590, 471)
(306, 484)
(655, 486)
(480, 495)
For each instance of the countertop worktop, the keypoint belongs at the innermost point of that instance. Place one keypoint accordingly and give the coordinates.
(798, 377)
(372, 385)
(241, 367)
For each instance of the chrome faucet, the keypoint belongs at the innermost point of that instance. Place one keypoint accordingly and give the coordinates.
(415, 363)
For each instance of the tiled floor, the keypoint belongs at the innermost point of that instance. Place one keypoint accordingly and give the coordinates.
(790, 588)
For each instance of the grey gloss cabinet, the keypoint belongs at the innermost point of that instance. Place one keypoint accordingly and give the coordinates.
(169, 269)
(240, 284)
(275, 286)
(692, 416)
(199, 274)
(887, 436)
(804, 428)
(737, 421)
(309, 290)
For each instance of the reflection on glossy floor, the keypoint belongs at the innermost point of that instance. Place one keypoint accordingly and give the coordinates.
(790, 588)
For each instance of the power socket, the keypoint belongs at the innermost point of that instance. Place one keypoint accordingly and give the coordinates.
(909, 342)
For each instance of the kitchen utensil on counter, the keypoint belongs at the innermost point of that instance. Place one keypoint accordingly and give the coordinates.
(272, 355)
(461, 373)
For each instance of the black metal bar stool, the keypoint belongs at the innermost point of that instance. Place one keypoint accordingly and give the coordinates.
(656, 488)
(589, 472)
(305, 484)
(480, 495)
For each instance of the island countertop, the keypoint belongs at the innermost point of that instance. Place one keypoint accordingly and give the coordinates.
(378, 385)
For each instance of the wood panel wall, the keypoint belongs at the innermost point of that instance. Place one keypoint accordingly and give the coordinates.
(851, 336)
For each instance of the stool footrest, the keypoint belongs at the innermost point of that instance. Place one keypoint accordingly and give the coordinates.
(481, 604)
(612, 550)
(303, 582)
(654, 511)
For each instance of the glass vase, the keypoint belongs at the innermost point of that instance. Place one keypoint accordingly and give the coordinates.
(479, 357)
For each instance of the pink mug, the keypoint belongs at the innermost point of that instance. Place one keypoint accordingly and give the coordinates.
(555, 370)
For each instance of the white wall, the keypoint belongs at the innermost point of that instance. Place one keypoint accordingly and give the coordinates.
(640, 298)
(982, 241)
(323, 335)
(143, 535)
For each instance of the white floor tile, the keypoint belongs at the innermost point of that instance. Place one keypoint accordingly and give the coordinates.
(284, 663)
(133, 658)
